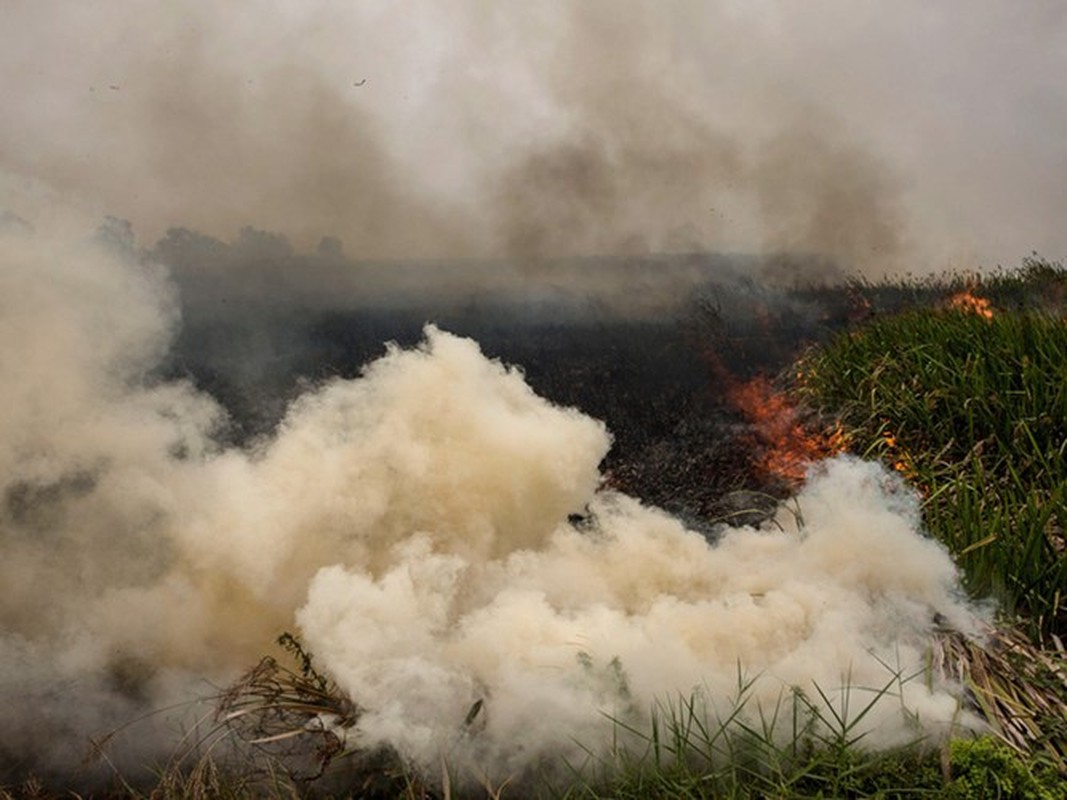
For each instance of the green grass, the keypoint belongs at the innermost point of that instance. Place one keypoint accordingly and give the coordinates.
(1037, 285)
(973, 411)
(803, 747)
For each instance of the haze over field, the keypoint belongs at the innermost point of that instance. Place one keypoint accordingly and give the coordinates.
(884, 135)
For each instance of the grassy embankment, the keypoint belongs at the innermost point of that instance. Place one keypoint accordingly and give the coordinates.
(973, 411)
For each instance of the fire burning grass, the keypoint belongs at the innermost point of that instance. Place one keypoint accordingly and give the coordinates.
(787, 445)
(968, 402)
(970, 406)
(967, 302)
(973, 409)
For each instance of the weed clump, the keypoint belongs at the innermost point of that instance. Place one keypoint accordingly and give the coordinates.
(986, 767)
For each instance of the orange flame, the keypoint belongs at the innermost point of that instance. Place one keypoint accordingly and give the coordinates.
(968, 302)
(789, 448)
(899, 458)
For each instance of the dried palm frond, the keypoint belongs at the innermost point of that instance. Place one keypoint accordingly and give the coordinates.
(1019, 688)
(296, 718)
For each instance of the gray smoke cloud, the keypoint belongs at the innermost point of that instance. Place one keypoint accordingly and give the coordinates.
(882, 136)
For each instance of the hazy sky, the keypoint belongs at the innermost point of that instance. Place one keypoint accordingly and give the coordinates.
(886, 134)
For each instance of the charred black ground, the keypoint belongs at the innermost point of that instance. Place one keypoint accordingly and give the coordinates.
(651, 346)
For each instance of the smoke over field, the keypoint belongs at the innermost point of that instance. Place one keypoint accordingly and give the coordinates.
(414, 525)
(582, 226)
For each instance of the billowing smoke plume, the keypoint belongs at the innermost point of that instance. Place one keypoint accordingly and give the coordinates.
(607, 620)
(879, 135)
(413, 526)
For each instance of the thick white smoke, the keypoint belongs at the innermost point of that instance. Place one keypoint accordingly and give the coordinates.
(608, 620)
(413, 526)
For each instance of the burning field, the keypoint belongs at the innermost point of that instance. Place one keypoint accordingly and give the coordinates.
(448, 401)
(477, 576)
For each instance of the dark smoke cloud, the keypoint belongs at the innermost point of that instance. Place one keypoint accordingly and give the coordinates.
(651, 161)
(880, 136)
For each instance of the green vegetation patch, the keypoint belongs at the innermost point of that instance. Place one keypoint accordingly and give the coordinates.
(967, 399)
(973, 411)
